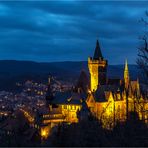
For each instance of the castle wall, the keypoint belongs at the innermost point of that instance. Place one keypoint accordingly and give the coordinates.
(70, 112)
(111, 112)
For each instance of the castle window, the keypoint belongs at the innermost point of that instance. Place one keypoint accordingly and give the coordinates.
(65, 107)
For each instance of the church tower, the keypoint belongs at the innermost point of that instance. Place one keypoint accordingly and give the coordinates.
(126, 75)
(49, 94)
(97, 69)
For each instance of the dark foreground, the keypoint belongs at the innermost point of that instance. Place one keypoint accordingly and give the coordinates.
(83, 134)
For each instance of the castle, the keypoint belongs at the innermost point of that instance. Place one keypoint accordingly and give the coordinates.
(109, 100)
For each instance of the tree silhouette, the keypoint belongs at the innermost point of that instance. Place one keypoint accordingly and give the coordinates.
(142, 60)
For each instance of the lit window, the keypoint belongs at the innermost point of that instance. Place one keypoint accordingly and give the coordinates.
(74, 107)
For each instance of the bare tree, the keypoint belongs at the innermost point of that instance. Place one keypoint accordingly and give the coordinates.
(142, 60)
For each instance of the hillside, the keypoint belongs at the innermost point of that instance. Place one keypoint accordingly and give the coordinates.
(14, 71)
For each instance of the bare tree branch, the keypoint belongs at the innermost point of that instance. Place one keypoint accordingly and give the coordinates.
(142, 60)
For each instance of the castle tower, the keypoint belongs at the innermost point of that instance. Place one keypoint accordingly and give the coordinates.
(126, 75)
(97, 69)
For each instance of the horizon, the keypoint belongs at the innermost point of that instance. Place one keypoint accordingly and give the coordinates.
(54, 31)
(62, 62)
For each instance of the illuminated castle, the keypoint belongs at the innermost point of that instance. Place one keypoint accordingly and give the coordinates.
(109, 100)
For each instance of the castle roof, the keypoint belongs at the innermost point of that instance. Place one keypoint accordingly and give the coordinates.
(97, 54)
(61, 97)
(68, 98)
(99, 95)
(103, 92)
(83, 81)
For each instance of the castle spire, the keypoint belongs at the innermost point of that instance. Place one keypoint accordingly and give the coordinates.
(126, 65)
(97, 54)
(126, 74)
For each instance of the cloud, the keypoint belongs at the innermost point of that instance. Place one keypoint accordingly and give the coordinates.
(67, 30)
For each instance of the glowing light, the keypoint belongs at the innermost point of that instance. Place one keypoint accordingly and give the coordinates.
(28, 116)
(44, 132)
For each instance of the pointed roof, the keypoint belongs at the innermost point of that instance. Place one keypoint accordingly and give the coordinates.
(126, 72)
(126, 65)
(97, 53)
(83, 81)
(99, 95)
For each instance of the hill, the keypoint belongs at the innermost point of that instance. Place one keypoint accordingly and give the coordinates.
(12, 71)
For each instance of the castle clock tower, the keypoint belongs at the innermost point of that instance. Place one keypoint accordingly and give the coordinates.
(97, 69)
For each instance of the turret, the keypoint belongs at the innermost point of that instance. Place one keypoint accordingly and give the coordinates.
(97, 69)
(126, 75)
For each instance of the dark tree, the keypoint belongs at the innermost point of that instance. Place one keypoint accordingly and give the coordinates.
(142, 60)
(89, 133)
